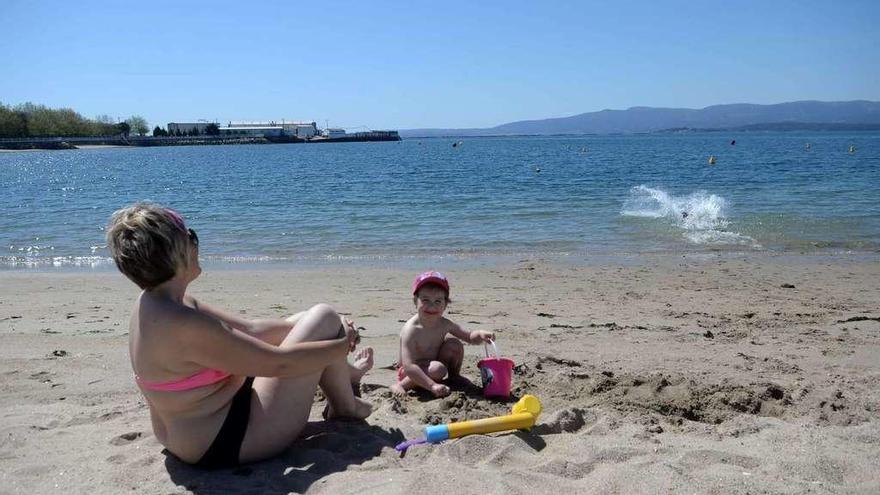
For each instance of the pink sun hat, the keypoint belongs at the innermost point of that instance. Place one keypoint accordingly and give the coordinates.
(431, 277)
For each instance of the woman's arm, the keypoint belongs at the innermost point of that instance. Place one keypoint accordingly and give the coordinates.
(272, 331)
(203, 340)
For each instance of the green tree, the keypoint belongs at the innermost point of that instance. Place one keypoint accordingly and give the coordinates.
(104, 125)
(12, 123)
(29, 119)
(159, 132)
(212, 130)
(138, 125)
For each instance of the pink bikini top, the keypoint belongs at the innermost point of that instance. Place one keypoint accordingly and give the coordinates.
(203, 378)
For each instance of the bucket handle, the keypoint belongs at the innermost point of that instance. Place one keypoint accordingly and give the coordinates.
(494, 348)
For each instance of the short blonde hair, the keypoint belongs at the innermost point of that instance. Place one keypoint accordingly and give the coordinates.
(149, 243)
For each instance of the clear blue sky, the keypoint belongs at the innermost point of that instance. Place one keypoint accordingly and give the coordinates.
(430, 64)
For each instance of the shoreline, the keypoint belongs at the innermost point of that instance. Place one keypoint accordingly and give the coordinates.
(105, 264)
(73, 143)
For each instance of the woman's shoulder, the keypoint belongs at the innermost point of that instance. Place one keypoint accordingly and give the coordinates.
(165, 317)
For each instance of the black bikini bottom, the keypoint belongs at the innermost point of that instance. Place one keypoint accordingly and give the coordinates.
(224, 450)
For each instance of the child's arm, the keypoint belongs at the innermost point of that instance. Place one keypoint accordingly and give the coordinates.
(472, 337)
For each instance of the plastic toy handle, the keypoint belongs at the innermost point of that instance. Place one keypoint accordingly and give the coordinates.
(401, 447)
(494, 348)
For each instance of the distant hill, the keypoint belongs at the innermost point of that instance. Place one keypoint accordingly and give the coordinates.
(848, 115)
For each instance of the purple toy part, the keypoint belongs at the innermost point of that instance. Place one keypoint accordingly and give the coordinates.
(409, 443)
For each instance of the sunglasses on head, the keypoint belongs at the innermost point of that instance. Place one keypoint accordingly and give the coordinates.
(193, 237)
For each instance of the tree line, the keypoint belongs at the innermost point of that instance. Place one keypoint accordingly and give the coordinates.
(32, 120)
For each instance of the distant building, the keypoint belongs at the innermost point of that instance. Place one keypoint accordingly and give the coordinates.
(333, 133)
(252, 131)
(305, 131)
(270, 123)
(302, 130)
(187, 127)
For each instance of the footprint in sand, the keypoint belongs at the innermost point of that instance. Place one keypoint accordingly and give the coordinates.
(40, 375)
(706, 457)
(567, 468)
(568, 420)
(126, 438)
(332, 442)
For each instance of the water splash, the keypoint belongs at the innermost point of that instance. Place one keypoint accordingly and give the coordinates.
(701, 217)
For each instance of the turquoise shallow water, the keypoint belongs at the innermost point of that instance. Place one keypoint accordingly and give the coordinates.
(593, 195)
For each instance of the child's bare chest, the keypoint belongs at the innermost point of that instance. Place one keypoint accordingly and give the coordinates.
(428, 343)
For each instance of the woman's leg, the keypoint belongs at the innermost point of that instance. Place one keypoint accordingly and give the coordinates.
(280, 406)
(363, 359)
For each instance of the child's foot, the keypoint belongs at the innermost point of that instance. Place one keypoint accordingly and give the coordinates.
(363, 362)
(439, 390)
(398, 390)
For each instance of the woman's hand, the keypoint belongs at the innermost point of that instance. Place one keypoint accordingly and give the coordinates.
(351, 333)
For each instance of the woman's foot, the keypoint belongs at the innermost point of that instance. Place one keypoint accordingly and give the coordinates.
(363, 362)
(361, 409)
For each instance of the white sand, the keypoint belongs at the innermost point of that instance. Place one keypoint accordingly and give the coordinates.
(698, 374)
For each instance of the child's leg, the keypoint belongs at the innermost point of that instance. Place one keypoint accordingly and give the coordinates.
(452, 355)
(435, 370)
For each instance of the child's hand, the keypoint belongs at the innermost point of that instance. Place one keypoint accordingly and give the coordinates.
(439, 390)
(484, 336)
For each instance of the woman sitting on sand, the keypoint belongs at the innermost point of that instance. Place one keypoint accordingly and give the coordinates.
(223, 390)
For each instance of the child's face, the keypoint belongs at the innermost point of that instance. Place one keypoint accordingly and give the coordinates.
(431, 301)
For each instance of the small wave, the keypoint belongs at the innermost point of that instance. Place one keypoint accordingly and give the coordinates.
(55, 261)
(701, 217)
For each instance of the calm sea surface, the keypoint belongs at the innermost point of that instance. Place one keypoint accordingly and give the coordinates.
(594, 195)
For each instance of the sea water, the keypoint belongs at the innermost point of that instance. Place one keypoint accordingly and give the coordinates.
(549, 196)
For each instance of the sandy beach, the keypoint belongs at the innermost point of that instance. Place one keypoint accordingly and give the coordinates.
(658, 374)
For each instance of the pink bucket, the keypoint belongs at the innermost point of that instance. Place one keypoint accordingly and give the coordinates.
(496, 374)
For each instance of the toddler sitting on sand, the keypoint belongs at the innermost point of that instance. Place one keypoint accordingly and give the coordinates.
(430, 349)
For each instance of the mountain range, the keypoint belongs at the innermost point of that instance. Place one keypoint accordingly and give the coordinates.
(810, 115)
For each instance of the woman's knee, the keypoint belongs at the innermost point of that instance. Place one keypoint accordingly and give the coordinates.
(324, 322)
(295, 318)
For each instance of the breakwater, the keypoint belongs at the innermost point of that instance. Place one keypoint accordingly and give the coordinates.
(66, 143)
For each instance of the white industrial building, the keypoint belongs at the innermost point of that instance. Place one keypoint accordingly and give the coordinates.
(187, 127)
(252, 131)
(302, 130)
(305, 131)
(333, 133)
